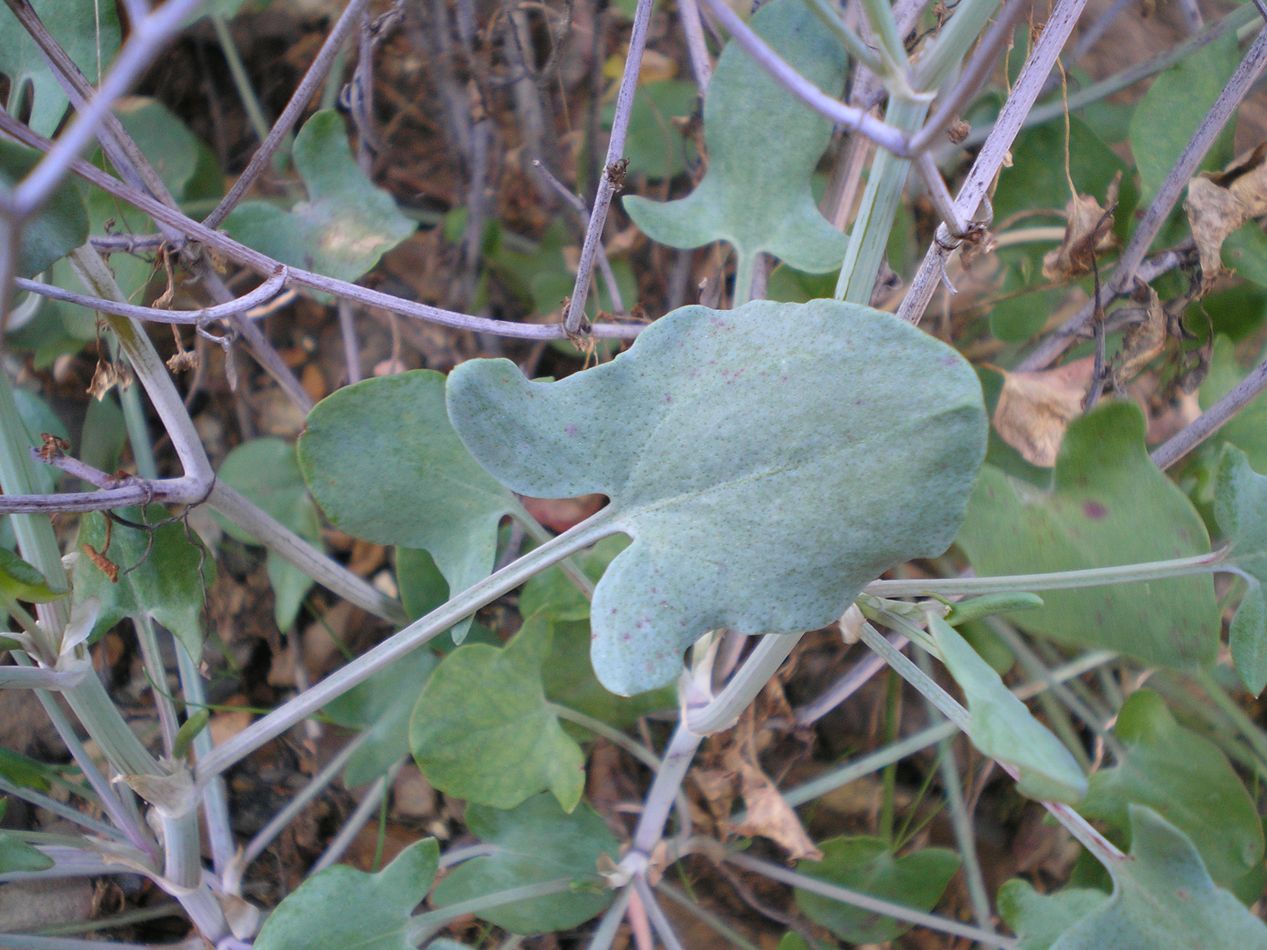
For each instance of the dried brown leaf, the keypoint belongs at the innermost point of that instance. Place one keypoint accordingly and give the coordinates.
(1088, 231)
(1144, 339)
(1035, 409)
(1220, 202)
(769, 814)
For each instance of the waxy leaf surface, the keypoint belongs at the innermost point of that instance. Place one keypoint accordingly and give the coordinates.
(1107, 505)
(869, 865)
(531, 844)
(384, 464)
(768, 462)
(763, 145)
(88, 30)
(1003, 728)
(1240, 507)
(346, 224)
(1187, 780)
(1162, 897)
(342, 907)
(482, 729)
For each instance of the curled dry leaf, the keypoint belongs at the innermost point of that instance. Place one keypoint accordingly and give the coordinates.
(1221, 202)
(1034, 409)
(1088, 231)
(1145, 337)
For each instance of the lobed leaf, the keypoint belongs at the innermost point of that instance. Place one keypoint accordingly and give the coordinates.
(768, 462)
(763, 145)
(342, 907)
(1107, 504)
(346, 224)
(534, 843)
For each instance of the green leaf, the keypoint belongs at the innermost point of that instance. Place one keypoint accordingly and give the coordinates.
(534, 843)
(20, 770)
(767, 461)
(1107, 505)
(346, 224)
(1162, 897)
(654, 145)
(61, 224)
(482, 729)
(1186, 780)
(568, 677)
(21, 581)
(1040, 919)
(1245, 252)
(162, 573)
(17, 855)
(1247, 429)
(868, 865)
(1240, 508)
(1174, 106)
(342, 907)
(988, 605)
(88, 30)
(763, 145)
(1003, 728)
(267, 473)
(382, 706)
(552, 593)
(384, 464)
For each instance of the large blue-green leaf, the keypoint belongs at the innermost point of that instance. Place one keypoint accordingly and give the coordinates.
(1240, 506)
(768, 462)
(341, 907)
(1107, 505)
(61, 224)
(1162, 897)
(1187, 780)
(531, 844)
(763, 145)
(384, 464)
(346, 224)
(88, 30)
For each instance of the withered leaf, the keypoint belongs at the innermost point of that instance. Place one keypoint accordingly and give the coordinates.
(1088, 231)
(1035, 408)
(1145, 338)
(1218, 203)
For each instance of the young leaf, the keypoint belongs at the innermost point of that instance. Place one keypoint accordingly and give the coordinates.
(267, 473)
(346, 224)
(61, 224)
(482, 729)
(1162, 897)
(1185, 779)
(17, 855)
(1240, 507)
(411, 482)
(1004, 729)
(342, 907)
(763, 145)
(534, 843)
(1174, 106)
(868, 865)
(20, 581)
(767, 461)
(382, 706)
(88, 30)
(1107, 505)
(158, 573)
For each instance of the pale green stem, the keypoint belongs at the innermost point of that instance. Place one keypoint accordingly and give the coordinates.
(424, 925)
(745, 267)
(874, 222)
(743, 687)
(960, 820)
(732, 937)
(60, 809)
(884, 28)
(138, 432)
(237, 70)
(215, 798)
(406, 641)
(953, 42)
(1229, 707)
(570, 568)
(357, 820)
(614, 736)
(851, 41)
(152, 659)
(605, 934)
(1055, 580)
(873, 762)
